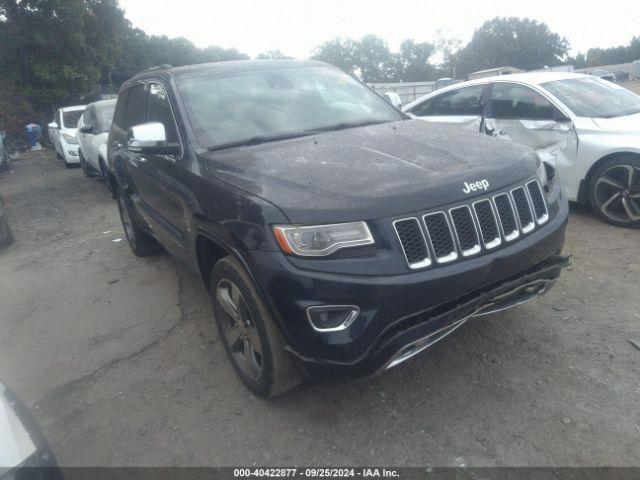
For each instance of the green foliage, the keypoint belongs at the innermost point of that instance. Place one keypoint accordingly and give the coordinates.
(515, 42)
(371, 58)
(53, 52)
(272, 55)
(596, 57)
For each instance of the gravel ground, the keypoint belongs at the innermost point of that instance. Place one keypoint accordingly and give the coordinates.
(119, 359)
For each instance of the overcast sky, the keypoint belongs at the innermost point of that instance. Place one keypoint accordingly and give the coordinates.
(296, 26)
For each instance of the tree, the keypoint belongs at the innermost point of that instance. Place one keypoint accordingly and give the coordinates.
(596, 57)
(516, 42)
(53, 52)
(272, 55)
(447, 46)
(338, 52)
(414, 61)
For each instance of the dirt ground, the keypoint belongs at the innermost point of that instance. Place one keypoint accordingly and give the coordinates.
(119, 359)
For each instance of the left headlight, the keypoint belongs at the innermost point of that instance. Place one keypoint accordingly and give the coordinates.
(322, 240)
(69, 139)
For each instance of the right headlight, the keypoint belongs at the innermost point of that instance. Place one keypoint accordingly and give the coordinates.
(71, 140)
(322, 240)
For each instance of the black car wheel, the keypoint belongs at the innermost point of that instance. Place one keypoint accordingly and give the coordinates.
(140, 241)
(249, 334)
(615, 191)
(88, 171)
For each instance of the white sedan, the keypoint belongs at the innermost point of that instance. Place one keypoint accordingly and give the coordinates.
(62, 132)
(586, 127)
(93, 132)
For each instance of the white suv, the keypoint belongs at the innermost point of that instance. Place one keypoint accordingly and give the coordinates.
(586, 127)
(62, 132)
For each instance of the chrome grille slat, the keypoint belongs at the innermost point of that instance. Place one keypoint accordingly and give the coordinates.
(488, 223)
(537, 200)
(440, 236)
(465, 230)
(523, 208)
(413, 242)
(507, 216)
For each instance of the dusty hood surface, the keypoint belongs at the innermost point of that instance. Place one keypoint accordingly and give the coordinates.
(372, 172)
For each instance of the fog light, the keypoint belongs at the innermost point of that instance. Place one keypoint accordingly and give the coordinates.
(332, 318)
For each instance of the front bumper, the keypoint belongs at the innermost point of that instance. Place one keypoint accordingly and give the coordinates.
(70, 153)
(397, 311)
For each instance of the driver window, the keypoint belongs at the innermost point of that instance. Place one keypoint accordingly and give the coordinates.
(513, 101)
(460, 102)
(159, 110)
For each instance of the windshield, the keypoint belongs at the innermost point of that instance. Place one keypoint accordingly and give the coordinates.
(276, 102)
(70, 119)
(594, 97)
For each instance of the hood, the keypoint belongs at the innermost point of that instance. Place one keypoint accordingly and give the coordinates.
(371, 172)
(626, 124)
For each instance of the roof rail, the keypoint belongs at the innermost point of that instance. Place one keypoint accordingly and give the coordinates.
(157, 67)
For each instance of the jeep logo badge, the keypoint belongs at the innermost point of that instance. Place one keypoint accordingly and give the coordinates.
(475, 186)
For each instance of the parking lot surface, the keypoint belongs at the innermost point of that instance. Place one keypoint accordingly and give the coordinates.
(119, 359)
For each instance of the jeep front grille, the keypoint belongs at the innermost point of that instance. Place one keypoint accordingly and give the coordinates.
(467, 230)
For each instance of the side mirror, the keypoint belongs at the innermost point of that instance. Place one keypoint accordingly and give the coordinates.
(86, 129)
(560, 117)
(52, 126)
(394, 99)
(151, 139)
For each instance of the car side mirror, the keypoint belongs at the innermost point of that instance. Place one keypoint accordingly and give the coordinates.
(86, 129)
(52, 126)
(151, 139)
(394, 99)
(560, 117)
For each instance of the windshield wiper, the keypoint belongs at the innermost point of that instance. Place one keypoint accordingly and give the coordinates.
(345, 125)
(257, 140)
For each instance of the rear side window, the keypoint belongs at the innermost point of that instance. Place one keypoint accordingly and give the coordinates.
(159, 110)
(136, 106)
(464, 101)
(510, 100)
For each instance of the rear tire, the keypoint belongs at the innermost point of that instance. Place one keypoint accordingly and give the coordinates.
(140, 241)
(614, 191)
(248, 332)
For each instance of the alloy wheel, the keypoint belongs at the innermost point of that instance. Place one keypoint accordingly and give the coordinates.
(617, 193)
(239, 330)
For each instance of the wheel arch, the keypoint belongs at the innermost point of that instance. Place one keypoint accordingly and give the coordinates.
(210, 248)
(583, 191)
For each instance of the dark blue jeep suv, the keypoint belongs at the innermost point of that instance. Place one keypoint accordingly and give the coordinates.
(336, 236)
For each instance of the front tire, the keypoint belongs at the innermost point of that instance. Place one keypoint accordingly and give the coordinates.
(614, 191)
(249, 334)
(87, 170)
(140, 241)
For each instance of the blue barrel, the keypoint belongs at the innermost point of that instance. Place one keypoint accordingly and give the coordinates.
(33, 132)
